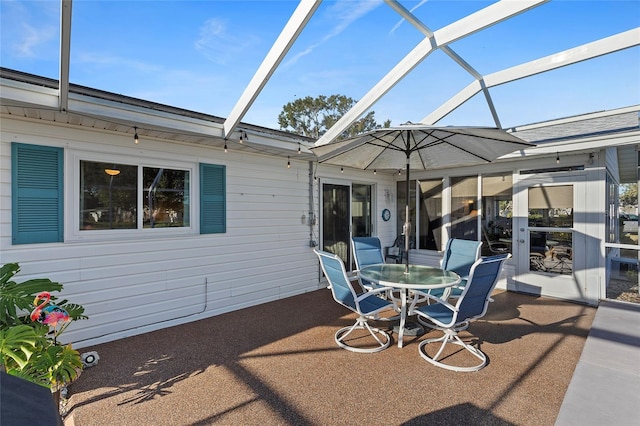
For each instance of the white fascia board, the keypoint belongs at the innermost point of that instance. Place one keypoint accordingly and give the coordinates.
(274, 57)
(65, 49)
(282, 143)
(18, 92)
(475, 22)
(113, 111)
(31, 96)
(140, 116)
(591, 143)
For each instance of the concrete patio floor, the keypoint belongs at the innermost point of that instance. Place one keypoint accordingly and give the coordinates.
(277, 364)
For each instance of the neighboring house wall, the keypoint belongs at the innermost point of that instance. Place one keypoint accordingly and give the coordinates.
(134, 284)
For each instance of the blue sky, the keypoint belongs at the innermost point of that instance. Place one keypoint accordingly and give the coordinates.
(200, 55)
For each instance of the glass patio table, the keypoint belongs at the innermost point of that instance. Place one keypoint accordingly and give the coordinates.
(419, 277)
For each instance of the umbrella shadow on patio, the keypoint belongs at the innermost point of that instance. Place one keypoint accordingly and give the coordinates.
(466, 413)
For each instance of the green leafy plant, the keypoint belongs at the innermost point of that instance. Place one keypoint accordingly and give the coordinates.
(29, 349)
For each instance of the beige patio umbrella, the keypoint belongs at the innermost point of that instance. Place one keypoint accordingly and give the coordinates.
(419, 147)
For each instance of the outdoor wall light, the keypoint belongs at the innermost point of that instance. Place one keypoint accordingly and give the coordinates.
(288, 162)
(225, 145)
(243, 136)
(557, 158)
(136, 139)
(299, 152)
(303, 219)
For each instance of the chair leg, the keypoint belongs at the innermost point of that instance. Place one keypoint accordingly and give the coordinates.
(382, 338)
(451, 337)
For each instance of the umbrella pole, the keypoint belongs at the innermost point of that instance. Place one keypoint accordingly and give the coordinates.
(407, 223)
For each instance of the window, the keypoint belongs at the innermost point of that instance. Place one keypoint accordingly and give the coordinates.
(107, 196)
(361, 222)
(464, 211)
(493, 228)
(612, 224)
(110, 196)
(430, 236)
(497, 213)
(429, 210)
(551, 248)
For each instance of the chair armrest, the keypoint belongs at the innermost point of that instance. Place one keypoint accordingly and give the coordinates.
(373, 292)
(412, 311)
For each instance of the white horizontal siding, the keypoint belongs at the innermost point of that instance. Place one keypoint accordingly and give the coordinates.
(135, 285)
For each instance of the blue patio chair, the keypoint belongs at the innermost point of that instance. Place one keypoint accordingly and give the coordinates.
(459, 256)
(368, 251)
(471, 305)
(367, 305)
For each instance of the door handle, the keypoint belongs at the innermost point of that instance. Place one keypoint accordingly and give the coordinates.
(521, 241)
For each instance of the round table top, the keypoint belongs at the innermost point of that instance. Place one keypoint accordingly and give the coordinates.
(419, 276)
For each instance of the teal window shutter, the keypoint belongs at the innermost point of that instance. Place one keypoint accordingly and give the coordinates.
(37, 208)
(213, 199)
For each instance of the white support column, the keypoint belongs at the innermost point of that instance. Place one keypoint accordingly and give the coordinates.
(65, 52)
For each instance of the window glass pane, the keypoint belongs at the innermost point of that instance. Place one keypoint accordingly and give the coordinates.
(335, 220)
(551, 252)
(361, 210)
(551, 206)
(497, 211)
(108, 196)
(430, 214)
(166, 197)
(464, 213)
(628, 218)
(612, 225)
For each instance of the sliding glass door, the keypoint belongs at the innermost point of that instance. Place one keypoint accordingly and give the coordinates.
(346, 211)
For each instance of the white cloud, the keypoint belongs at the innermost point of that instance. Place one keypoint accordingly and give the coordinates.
(32, 39)
(102, 59)
(27, 33)
(343, 13)
(220, 45)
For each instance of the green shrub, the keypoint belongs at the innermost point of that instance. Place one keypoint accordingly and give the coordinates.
(29, 349)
